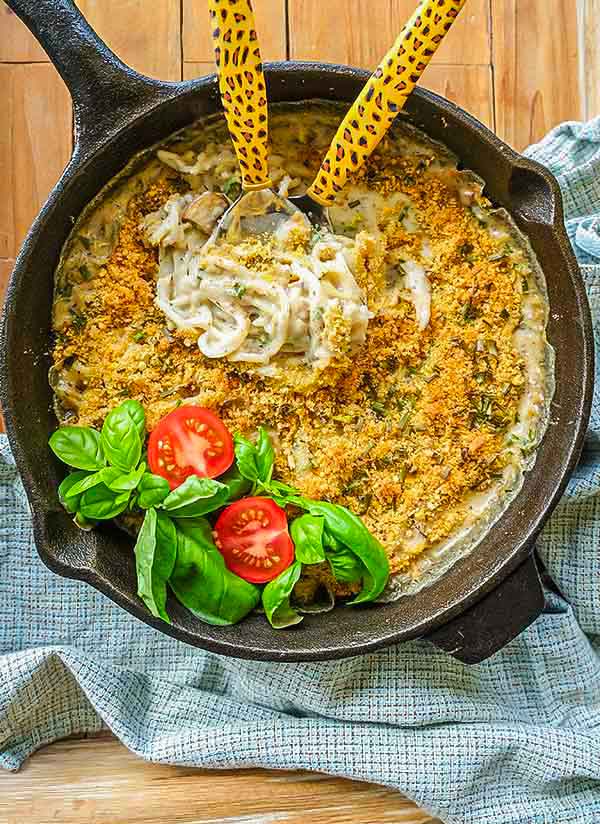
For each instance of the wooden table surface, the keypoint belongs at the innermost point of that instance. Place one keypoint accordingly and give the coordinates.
(520, 66)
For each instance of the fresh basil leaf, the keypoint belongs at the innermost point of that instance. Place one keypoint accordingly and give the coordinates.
(195, 497)
(255, 462)
(152, 490)
(90, 480)
(121, 439)
(350, 531)
(78, 446)
(135, 410)
(235, 482)
(307, 535)
(124, 482)
(276, 598)
(281, 493)
(202, 582)
(245, 456)
(101, 504)
(346, 567)
(69, 499)
(265, 456)
(155, 552)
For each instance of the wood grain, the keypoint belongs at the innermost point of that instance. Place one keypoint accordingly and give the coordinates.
(6, 267)
(535, 67)
(270, 22)
(17, 44)
(468, 86)
(146, 36)
(100, 782)
(349, 31)
(35, 145)
(192, 70)
(589, 58)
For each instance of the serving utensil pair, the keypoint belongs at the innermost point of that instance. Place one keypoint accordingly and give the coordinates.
(243, 93)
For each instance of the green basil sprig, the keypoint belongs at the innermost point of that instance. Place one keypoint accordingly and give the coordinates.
(202, 582)
(307, 535)
(69, 500)
(101, 503)
(276, 598)
(346, 567)
(255, 461)
(352, 534)
(235, 482)
(155, 553)
(195, 497)
(152, 490)
(109, 464)
(121, 438)
(78, 446)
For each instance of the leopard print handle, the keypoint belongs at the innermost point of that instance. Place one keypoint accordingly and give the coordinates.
(383, 96)
(242, 87)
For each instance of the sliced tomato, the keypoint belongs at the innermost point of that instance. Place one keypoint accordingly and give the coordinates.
(190, 440)
(252, 535)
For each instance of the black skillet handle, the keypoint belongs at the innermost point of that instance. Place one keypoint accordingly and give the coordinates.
(106, 93)
(499, 617)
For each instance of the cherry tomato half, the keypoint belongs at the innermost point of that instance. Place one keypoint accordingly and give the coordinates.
(190, 440)
(252, 535)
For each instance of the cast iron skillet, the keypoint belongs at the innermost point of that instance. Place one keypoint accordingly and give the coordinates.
(485, 599)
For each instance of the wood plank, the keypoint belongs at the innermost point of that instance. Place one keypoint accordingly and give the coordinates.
(7, 189)
(192, 70)
(348, 31)
(535, 67)
(17, 44)
(589, 59)
(35, 145)
(146, 36)
(100, 782)
(467, 86)
(270, 22)
(6, 267)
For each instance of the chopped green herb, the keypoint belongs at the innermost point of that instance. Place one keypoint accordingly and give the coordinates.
(231, 187)
(85, 272)
(85, 241)
(470, 312)
(139, 336)
(79, 320)
(525, 284)
(379, 408)
(239, 290)
(505, 314)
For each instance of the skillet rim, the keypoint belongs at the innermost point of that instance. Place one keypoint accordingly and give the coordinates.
(486, 582)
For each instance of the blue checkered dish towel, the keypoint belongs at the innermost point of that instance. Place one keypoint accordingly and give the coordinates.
(515, 739)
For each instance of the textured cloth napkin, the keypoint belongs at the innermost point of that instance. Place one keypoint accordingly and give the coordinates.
(515, 739)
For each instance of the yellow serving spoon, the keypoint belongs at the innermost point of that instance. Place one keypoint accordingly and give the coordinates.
(242, 87)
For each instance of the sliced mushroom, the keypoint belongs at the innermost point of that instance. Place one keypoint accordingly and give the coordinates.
(205, 210)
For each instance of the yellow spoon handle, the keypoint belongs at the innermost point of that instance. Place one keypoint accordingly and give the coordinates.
(383, 96)
(242, 87)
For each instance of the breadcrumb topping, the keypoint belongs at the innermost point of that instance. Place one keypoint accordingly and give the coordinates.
(401, 432)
